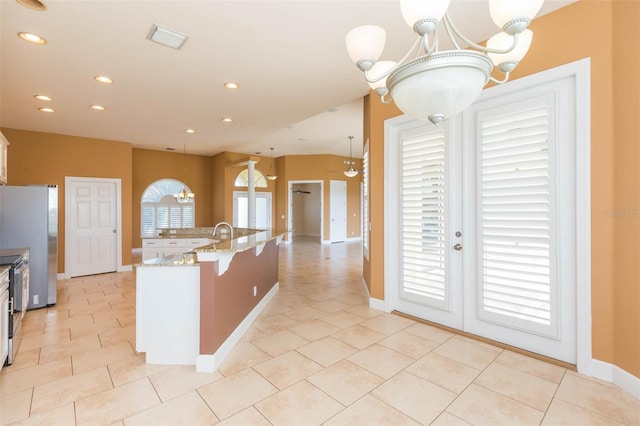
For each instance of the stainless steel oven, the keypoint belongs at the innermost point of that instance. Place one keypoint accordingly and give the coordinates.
(18, 297)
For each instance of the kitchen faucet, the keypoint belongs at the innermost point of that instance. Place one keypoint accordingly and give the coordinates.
(213, 234)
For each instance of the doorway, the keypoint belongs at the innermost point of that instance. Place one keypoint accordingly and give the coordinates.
(241, 210)
(93, 234)
(305, 209)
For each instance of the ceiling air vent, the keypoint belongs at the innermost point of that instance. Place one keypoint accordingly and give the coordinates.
(166, 36)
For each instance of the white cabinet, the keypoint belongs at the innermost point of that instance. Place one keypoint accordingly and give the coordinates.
(4, 143)
(158, 247)
(4, 316)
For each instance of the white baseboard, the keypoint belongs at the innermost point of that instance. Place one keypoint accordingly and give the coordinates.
(613, 374)
(125, 268)
(136, 250)
(61, 276)
(351, 239)
(210, 363)
(377, 304)
(364, 285)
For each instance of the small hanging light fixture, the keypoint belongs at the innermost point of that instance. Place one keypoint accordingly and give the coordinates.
(271, 175)
(350, 172)
(184, 196)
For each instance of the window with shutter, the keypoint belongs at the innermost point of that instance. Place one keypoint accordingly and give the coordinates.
(160, 209)
(516, 207)
(423, 207)
(365, 200)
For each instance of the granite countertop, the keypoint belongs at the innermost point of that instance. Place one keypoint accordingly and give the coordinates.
(238, 244)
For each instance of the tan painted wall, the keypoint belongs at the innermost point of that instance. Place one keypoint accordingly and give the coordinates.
(561, 37)
(46, 158)
(325, 168)
(194, 170)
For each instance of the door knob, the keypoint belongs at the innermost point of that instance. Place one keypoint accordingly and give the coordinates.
(457, 247)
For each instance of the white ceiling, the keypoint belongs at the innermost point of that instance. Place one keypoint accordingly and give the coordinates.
(299, 91)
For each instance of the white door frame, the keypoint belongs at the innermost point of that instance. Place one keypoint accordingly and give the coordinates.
(580, 72)
(290, 204)
(67, 220)
(258, 194)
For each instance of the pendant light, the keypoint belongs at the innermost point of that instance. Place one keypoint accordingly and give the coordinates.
(271, 175)
(184, 196)
(350, 172)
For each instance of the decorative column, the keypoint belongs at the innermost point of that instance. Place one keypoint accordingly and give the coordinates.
(251, 194)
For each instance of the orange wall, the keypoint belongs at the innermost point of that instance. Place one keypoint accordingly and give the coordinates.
(46, 158)
(562, 37)
(626, 100)
(194, 170)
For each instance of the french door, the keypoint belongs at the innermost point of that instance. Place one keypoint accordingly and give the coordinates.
(481, 228)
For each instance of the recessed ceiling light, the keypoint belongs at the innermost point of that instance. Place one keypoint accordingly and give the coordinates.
(32, 38)
(103, 79)
(226, 119)
(190, 131)
(231, 85)
(33, 4)
(45, 109)
(43, 97)
(97, 107)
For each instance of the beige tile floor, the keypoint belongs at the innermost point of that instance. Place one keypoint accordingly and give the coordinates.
(316, 355)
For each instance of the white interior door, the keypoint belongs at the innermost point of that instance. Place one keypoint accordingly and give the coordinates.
(91, 235)
(338, 211)
(480, 231)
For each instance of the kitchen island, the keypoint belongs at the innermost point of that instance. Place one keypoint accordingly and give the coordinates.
(193, 307)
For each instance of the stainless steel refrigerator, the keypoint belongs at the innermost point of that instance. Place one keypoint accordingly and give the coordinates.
(29, 218)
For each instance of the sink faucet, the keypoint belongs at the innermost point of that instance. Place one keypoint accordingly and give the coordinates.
(213, 234)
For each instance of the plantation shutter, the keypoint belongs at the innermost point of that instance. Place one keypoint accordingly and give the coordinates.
(365, 200)
(148, 221)
(516, 235)
(423, 218)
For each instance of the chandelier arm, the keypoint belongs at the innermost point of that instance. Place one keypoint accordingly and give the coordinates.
(449, 24)
(386, 101)
(504, 80)
(398, 65)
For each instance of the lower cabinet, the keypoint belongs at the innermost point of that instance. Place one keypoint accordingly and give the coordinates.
(158, 247)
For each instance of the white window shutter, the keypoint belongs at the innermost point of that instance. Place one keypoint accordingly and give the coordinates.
(423, 233)
(515, 211)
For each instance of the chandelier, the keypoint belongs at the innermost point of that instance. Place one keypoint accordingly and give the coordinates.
(271, 174)
(184, 196)
(350, 172)
(428, 83)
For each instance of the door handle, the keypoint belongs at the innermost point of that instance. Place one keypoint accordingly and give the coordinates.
(457, 247)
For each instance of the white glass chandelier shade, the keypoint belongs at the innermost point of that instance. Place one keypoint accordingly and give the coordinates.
(441, 85)
(513, 16)
(375, 73)
(423, 16)
(506, 62)
(351, 172)
(271, 174)
(365, 45)
(433, 85)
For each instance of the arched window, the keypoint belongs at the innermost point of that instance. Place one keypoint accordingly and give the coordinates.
(243, 179)
(161, 210)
